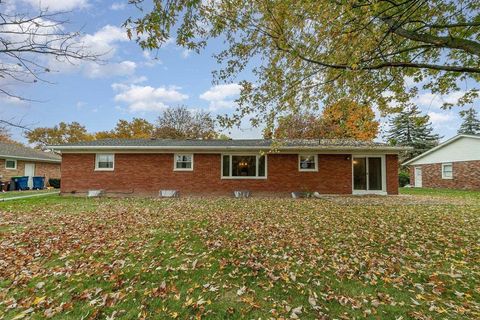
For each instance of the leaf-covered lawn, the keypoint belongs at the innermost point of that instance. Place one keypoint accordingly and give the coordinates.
(73, 258)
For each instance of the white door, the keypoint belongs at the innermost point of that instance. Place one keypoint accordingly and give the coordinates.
(30, 172)
(418, 177)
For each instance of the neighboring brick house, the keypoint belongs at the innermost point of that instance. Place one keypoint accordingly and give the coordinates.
(17, 160)
(219, 167)
(453, 164)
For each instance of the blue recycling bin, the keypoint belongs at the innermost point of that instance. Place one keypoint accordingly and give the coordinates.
(38, 183)
(21, 183)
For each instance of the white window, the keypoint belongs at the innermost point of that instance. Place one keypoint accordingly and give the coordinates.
(10, 164)
(447, 171)
(244, 166)
(307, 162)
(104, 162)
(183, 162)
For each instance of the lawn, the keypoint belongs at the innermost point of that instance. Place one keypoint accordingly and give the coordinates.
(445, 193)
(77, 258)
(12, 194)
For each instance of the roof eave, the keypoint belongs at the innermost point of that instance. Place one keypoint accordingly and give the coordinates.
(30, 158)
(234, 148)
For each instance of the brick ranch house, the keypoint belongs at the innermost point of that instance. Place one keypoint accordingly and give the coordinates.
(17, 160)
(453, 164)
(219, 167)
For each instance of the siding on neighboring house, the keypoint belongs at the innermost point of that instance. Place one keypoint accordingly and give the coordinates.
(149, 172)
(466, 175)
(462, 151)
(44, 169)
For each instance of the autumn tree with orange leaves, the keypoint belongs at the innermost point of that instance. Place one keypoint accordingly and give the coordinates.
(350, 120)
(345, 119)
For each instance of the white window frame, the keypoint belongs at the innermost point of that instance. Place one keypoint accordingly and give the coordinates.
(175, 162)
(315, 156)
(443, 170)
(104, 169)
(256, 177)
(14, 161)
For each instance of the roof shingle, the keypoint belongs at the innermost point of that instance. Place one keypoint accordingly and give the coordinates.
(230, 144)
(15, 151)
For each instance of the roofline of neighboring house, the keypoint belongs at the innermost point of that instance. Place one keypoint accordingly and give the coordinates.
(29, 158)
(441, 145)
(231, 148)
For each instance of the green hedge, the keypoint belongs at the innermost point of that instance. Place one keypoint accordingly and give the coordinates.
(403, 178)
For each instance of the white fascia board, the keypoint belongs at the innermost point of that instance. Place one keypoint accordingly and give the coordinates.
(73, 149)
(29, 159)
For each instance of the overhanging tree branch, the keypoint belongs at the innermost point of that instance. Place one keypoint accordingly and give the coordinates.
(466, 45)
(29, 44)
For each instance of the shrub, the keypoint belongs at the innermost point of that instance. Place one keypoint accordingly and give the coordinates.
(54, 183)
(403, 178)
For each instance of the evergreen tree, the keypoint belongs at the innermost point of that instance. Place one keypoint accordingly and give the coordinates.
(471, 124)
(412, 129)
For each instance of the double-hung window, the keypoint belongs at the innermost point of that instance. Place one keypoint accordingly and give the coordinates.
(104, 162)
(10, 164)
(307, 162)
(244, 166)
(447, 171)
(183, 162)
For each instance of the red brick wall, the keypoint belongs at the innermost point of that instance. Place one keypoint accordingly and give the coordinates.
(149, 173)
(392, 173)
(47, 169)
(466, 175)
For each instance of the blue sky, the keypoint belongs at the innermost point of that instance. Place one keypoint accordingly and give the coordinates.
(133, 83)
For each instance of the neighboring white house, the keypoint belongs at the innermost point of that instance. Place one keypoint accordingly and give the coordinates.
(454, 163)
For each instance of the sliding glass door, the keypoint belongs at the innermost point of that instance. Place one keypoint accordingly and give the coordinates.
(368, 174)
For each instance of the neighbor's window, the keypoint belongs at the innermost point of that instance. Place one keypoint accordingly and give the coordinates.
(183, 162)
(307, 162)
(244, 166)
(104, 162)
(447, 171)
(10, 164)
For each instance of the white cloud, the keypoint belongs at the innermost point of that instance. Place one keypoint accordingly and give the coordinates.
(57, 5)
(430, 100)
(14, 101)
(124, 68)
(445, 122)
(104, 43)
(438, 118)
(137, 80)
(104, 40)
(147, 98)
(186, 53)
(118, 6)
(80, 105)
(221, 96)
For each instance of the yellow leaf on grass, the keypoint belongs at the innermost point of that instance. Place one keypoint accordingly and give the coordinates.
(38, 300)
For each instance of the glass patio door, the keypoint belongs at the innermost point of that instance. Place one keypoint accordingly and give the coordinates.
(367, 174)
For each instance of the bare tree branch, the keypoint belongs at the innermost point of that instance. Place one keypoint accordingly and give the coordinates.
(29, 44)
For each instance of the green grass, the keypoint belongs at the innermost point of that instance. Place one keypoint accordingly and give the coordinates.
(449, 193)
(68, 258)
(11, 194)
